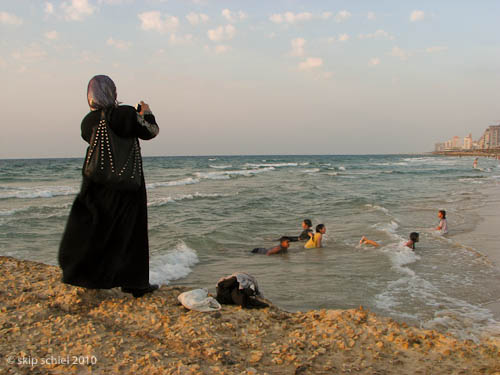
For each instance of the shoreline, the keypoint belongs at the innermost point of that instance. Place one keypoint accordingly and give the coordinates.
(483, 153)
(43, 318)
(486, 233)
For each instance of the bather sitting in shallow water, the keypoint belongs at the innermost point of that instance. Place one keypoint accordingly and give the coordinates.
(304, 236)
(282, 248)
(316, 238)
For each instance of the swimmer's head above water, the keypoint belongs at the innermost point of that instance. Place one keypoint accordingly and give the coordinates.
(414, 236)
(285, 242)
(442, 214)
(307, 224)
(320, 228)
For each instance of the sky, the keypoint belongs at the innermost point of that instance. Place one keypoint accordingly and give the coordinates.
(253, 77)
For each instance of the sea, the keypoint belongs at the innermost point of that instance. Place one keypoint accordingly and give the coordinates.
(206, 213)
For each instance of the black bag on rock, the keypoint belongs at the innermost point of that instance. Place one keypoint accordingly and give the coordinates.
(112, 160)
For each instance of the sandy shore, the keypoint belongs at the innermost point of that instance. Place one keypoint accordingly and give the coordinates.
(45, 324)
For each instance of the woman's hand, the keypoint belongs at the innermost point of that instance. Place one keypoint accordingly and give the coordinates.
(144, 108)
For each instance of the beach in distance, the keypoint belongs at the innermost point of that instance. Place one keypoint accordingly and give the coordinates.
(435, 307)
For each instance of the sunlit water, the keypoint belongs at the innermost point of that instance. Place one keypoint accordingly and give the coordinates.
(207, 213)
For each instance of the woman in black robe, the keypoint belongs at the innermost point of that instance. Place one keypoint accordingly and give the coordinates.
(105, 243)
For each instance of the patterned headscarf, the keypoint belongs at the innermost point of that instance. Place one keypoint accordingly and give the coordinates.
(101, 93)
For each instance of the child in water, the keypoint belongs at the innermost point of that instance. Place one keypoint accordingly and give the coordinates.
(413, 239)
(366, 241)
(304, 236)
(315, 240)
(443, 223)
(282, 248)
(411, 243)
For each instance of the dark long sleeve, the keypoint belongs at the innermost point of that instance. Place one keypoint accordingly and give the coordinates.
(124, 121)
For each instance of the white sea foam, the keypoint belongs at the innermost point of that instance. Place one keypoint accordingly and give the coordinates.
(173, 265)
(225, 175)
(184, 181)
(221, 166)
(274, 165)
(379, 208)
(158, 202)
(13, 211)
(342, 169)
(313, 170)
(38, 192)
(390, 229)
(304, 164)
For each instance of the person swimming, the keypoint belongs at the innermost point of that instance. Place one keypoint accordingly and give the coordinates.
(414, 237)
(282, 248)
(304, 236)
(366, 241)
(315, 239)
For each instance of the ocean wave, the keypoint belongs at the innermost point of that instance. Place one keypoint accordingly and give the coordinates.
(390, 229)
(342, 168)
(173, 265)
(274, 165)
(313, 170)
(158, 202)
(38, 192)
(379, 208)
(14, 211)
(401, 163)
(225, 175)
(184, 181)
(221, 166)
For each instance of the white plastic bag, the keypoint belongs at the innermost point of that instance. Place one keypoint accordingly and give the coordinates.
(198, 300)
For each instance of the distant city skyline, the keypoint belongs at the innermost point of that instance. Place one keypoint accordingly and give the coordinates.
(238, 77)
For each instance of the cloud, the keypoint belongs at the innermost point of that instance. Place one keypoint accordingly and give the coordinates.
(331, 39)
(374, 61)
(417, 15)
(221, 33)
(371, 16)
(52, 35)
(401, 53)
(10, 19)
(379, 34)
(197, 18)
(298, 47)
(436, 49)
(343, 38)
(153, 21)
(111, 2)
(233, 16)
(77, 10)
(30, 54)
(118, 44)
(342, 16)
(311, 63)
(326, 15)
(290, 17)
(178, 40)
(49, 8)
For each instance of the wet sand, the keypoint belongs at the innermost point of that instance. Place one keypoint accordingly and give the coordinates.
(44, 324)
(487, 233)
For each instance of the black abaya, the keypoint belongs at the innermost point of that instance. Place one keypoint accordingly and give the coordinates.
(105, 243)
